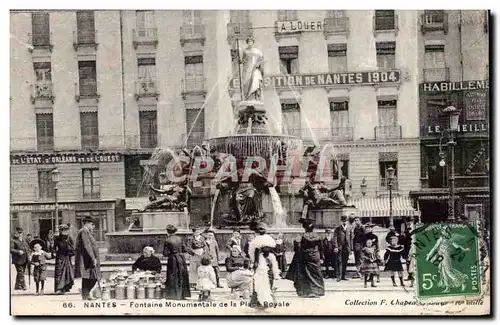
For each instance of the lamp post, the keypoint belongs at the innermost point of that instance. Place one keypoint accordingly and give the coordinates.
(55, 180)
(390, 178)
(453, 113)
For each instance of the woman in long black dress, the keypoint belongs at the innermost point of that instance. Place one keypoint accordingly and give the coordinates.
(64, 248)
(177, 284)
(305, 269)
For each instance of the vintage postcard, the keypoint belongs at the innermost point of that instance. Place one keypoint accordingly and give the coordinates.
(250, 162)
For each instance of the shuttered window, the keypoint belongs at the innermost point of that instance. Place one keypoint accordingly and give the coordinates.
(89, 130)
(85, 27)
(148, 129)
(45, 132)
(40, 28)
(195, 123)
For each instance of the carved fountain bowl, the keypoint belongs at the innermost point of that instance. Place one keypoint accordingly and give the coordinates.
(242, 146)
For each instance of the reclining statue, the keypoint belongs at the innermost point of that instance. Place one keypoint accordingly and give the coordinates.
(317, 195)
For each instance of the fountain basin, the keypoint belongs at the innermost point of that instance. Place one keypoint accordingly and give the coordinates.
(161, 219)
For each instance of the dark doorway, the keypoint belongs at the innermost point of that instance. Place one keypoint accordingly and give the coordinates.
(45, 227)
(433, 211)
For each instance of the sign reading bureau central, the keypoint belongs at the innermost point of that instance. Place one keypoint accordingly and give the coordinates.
(327, 79)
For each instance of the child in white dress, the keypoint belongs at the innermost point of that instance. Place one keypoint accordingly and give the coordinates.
(206, 279)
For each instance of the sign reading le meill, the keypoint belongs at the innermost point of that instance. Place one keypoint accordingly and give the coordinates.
(327, 79)
(64, 158)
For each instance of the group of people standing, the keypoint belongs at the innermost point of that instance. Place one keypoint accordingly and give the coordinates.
(36, 252)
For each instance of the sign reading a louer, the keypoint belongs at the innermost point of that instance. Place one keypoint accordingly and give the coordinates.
(64, 158)
(327, 79)
(294, 26)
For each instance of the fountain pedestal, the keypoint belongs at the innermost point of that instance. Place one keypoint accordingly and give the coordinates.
(330, 218)
(155, 220)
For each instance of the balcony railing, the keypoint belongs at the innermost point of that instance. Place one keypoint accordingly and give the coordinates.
(145, 36)
(334, 26)
(239, 30)
(45, 143)
(193, 33)
(86, 89)
(434, 22)
(384, 184)
(385, 23)
(84, 38)
(42, 91)
(342, 133)
(194, 86)
(388, 132)
(146, 88)
(40, 41)
(436, 74)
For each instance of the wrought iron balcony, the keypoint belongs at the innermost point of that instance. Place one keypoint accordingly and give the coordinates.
(85, 38)
(146, 88)
(193, 33)
(385, 23)
(145, 36)
(433, 22)
(436, 74)
(239, 30)
(194, 86)
(342, 133)
(42, 91)
(334, 26)
(40, 41)
(384, 184)
(86, 89)
(388, 132)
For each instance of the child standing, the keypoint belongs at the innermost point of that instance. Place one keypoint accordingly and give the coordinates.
(392, 258)
(280, 251)
(38, 259)
(369, 262)
(206, 279)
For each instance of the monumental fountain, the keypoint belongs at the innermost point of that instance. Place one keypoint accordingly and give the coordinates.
(245, 172)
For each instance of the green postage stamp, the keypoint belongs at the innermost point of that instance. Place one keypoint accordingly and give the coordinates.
(447, 260)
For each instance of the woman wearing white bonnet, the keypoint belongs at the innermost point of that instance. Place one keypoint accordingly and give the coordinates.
(147, 261)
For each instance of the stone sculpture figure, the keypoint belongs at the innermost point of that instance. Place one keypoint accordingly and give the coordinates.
(171, 197)
(252, 72)
(317, 195)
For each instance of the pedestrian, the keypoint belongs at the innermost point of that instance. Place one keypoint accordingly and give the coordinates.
(39, 261)
(392, 232)
(87, 263)
(392, 260)
(370, 235)
(357, 239)
(29, 238)
(234, 240)
(206, 279)
(280, 251)
(177, 279)
(147, 261)
(329, 255)
(196, 248)
(50, 242)
(19, 251)
(341, 242)
(213, 251)
(370, 261)
(64, 247)
(406, 242)
(246, 247)
(239, 275)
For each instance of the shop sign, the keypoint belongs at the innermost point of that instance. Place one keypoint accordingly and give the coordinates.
(453, 86)
(62, 206)
(327, 79)
(65, 158)
(476, 102)
(475, 160)
(294, 26)
(463, 128)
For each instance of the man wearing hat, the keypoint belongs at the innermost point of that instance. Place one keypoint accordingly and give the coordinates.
(330, 257)
(87, 264)
(19, 251)
(341, 246)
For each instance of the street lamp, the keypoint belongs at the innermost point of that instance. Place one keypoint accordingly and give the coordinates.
(453, 114)
(363, 187)
(390, 179)
(55, 180)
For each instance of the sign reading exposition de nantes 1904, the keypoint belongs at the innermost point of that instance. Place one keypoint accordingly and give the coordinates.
(327, 79)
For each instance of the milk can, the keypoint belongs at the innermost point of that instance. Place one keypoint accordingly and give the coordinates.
(141, 288)
(120, 288)
(112, 286)
(105, 294)
(130, 289)
(158, 293)
(150, 290)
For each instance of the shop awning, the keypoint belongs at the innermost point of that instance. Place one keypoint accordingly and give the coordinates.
(372, 207)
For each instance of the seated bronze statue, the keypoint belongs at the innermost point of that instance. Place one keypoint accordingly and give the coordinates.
(317, 195)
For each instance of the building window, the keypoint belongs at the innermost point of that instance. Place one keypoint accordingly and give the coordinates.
(385, 20)
(337, 57)
(340, 169)
(387, 112)
(45, 184)
(40, 28)
(289, 59)
(148, 129)
(384, 164)
(14, 221)
(339, 117)
(287, 15)
(100, 222)
(433, 16)
(45, 132)
(43, 80)
(239, 16)
(291, 118)
(194, 73)
(88, 78)
(85, 27)
(195, 126)
(147, 75)
(435, 105)
(91, 183)
(434, 64)
(386, 55)
(89, 130)
(145, 20)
